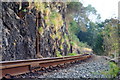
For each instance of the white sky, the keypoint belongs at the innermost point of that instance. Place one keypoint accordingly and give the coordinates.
(106, 8)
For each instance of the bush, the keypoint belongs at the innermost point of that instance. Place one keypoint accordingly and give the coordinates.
(113, 71)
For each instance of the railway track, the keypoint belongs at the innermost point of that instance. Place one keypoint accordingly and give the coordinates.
(25, 66)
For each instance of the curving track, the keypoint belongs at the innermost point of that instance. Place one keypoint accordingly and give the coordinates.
(25, 66)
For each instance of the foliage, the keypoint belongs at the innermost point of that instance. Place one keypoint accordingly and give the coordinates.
(72, 43)
(53, 36)
(102, 37)
(72, 54)
(73, 7)
(52, 18)
(78, 22)
(73, 27)
(110, 37)
(39, 6)
(66, 37)
(90, 9)
(47, 12)
(56, 36)
(62, 40)
(76, 41)
(61, 47)
(98, 45)
(41, 30)
(58, 54)
(113, 71)
(92, 37)
(24, 10)
(73, 30)
(56, 20)
(76, 11)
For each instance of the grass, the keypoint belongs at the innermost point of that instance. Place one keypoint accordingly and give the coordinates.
(72, 54)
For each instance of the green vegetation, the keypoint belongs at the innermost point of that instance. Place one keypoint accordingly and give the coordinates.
(56, 36)
(113, 71)
(53, 36)
(40, 6)
(73, 27)
(72, 54)
(61, 47)
(24, 10)
(56, 20)
(62, 40)
(72, 43)
(41, 30)
(102, 37)
(110, 37)
(58, 54)
(76, 41)
(75, 23)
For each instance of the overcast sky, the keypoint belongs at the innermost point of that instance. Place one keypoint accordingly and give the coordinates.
(106, 8)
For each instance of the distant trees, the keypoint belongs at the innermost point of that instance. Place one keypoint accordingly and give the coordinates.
(78, 21)
(101, 36)
(110, 37)
(93, 37)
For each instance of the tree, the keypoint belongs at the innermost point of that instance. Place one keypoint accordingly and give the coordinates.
(110, 37)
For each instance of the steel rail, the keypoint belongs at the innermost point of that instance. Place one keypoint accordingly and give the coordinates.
(25, 66)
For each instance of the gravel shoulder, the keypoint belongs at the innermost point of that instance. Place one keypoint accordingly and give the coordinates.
(91, 68)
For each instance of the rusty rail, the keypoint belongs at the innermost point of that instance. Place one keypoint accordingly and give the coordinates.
(24, 66)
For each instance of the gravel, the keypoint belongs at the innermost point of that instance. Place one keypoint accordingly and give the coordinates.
(91, 68)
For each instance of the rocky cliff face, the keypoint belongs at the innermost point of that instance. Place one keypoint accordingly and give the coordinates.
(20, 26)
(18, 34)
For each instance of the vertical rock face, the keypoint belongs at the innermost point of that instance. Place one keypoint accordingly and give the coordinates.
(52, 40)
(18, 35)
(19, 32)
